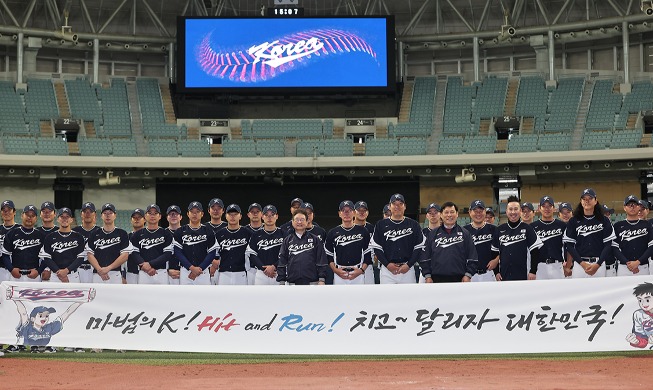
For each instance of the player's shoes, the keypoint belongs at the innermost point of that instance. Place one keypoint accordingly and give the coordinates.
(49, 350)
(34, 349)
(80, 350)
(96, 350)
(69, 349)
(12, 349)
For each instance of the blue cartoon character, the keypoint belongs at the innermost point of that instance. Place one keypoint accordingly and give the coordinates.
(642, 334)
(37, 329)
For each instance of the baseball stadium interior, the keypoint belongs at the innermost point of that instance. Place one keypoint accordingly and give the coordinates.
(484, 99)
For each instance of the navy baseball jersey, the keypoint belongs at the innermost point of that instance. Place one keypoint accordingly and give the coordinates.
(589, 237)
(318, 231)
(253, 229)
(193, 246)
(4, 229)
(348, 246)
(397, 241)
(633, 241)
(108, 246)
(551, 234)
(62, 250)
(514, 243)
(132, 263)
(86, 234)
(21, 248)
(449, 252)
(231, 247)
(173, 263)
(152, 246)
(483, 242)
(263, 248)
(301, 259)
(216, 228)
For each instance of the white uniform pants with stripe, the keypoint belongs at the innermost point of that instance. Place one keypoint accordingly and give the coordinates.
(611, 270)
(624, 271)
(131, 278)
(550, 271)
(160, 277)
(85, 275)
(203, 279)
(232, 278)
(115, 277)
(24, 278)
(73, 277)
(579, 273)
(388, 277)
(261, 279)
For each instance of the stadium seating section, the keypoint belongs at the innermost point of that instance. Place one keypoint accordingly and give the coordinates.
(118, 116)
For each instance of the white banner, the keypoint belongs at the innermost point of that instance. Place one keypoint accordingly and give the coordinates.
(460, 318)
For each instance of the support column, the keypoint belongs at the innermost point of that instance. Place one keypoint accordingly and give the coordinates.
(476, 60)
(29, 55)
(400, 62)
(171, 62)
(19, 59)
(626, 86)
(96, 61)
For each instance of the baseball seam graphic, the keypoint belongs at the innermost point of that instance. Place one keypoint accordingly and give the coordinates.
(267, 60)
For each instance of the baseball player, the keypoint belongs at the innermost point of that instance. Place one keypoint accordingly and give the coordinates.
(255, 214)
(588, 237)
(153, 249)
(482, 233)
(550, 230)
(527, 212)
(263, 248)
(108, 248)
(295, 205)
(386, 211)
(397, 242)
(489, 216)
(565, 212)
(195, 248)
(131, 266)
(607, 211)
(633, 244)
(642, 334)
(311, 226)
(347, 248)
(231, 246)
(87, 228)
(515, 241)
(63, 250)
(360, 218)
(216, 209)
(8, 223)
(173, 216)
(302, 260)
(21, 248)
(644, 208)
(449, 254)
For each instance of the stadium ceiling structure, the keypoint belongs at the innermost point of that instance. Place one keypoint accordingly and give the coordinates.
(427, 24)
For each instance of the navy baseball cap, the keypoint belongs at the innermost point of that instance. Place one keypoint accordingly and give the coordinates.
(346, 203)
(215, 201)
(41, 309)
(631, 198)
(155, 207)
(565, 205)
(138, 211)
(397, 197)
(386, 209)
(489, 210)
(174, 208)
(270, 208)
(588, 191)
(528, 205)
(477, 204)
(65, 210)
(546, 199)
(254, 206)
(607, 209)
(361, 203)
(88, 205)
(297, 200)
(233, 207)
(8, 203)
(644, 203)
(435, 206)
(30, 207)
(307, 205)
(48, 205)
(195, 205)
(109, 206)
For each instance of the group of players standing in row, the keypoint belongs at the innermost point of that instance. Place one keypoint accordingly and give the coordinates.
(582, 242)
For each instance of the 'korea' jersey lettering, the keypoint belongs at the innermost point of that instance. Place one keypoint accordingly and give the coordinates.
(398, 241)
(634, 241)
(193, 245)
(231, 247)
(152, 246)
(108, 246)
(348, 246)
(63, 250)
(589, 237)
(263, 248)
(514, 244)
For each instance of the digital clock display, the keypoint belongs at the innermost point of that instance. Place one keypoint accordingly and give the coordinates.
(360, 122)
(214, 123)
(292, 11)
